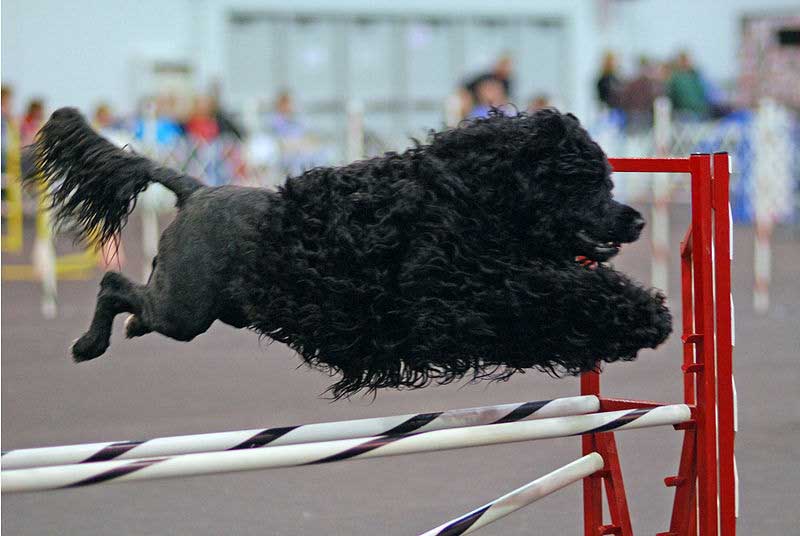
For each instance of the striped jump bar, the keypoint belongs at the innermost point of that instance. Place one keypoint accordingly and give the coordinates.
(521, 497)
(292, 435)
(77, 475)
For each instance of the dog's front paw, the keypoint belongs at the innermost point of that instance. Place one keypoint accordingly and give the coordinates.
(89, 347)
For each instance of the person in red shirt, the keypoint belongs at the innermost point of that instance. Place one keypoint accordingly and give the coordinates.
(32, 122)
(202, 124)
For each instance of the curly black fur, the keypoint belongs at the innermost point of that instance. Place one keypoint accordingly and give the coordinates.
(455, 258)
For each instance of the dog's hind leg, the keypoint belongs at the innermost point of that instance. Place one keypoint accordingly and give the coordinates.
(135, 326)
(117, 295)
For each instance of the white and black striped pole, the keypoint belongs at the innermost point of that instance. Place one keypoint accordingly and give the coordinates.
(78, 475)
(292, 435)
(521, 497)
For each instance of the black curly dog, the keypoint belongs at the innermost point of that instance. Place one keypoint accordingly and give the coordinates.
(456, 257)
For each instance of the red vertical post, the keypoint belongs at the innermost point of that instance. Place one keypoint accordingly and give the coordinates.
(687, 313)
(704, 367)
(592, 485)
(724, 341)
(615, 487)
(695, 505)
(684, 521)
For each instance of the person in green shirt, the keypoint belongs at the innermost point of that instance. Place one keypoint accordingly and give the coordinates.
(686, 90)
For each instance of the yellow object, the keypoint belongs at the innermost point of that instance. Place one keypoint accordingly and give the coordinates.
(12, 235)
(72, 266)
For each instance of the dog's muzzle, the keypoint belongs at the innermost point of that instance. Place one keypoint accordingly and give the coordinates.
(594, 249)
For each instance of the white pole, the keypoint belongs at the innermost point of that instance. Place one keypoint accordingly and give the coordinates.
(762, 255)
(662, 126)
(44, 256)
(355, 131)
(68, 476)
(251, 117)
(44, 261)
(292, 435)
(149, 197)
(773, 182)
(521, 497)
(149, 232)
(452, 110)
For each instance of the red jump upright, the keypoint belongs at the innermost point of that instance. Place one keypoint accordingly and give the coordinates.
(705, 484)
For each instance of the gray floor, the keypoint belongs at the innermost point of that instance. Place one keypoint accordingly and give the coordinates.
(227, 380)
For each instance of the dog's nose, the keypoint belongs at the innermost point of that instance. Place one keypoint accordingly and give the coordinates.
(638, 224)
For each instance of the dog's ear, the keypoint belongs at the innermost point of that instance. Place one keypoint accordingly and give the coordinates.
(571, 116)
(547, 130)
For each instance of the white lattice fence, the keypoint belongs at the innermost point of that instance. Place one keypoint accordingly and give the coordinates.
(765, 180)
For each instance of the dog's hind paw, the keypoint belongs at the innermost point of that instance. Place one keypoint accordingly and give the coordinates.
(88, 347)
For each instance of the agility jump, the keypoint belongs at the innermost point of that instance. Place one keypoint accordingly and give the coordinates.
(702, 499)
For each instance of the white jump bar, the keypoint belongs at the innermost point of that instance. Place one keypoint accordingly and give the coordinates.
(69, 476)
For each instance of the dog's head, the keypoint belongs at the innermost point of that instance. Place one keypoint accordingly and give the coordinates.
(548, 180)
(566, 182)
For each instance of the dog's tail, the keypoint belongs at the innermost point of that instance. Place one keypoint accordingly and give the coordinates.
(92, 182)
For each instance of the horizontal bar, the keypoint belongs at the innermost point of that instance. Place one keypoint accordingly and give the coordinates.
(650, 165)
(521, 497)
(292, 435)
(617, 404)
(78, 475)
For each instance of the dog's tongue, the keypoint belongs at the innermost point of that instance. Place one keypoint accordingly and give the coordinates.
(586, 262)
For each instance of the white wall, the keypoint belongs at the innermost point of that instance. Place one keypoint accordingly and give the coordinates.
(81, 51)
(576, 14)
(78, 52)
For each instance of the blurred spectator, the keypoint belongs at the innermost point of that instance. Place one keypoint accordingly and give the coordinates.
(687, 90)
(8, 121)
(202, 124)
(225, 122)
(32, 121)
(638, 95)
(112, 128)
(283, 122)
(489, 94)
(502, 72)
(299, 149)
(719, 107)
(103, 119)
(7, 99)
(156, 122)
(609, 85)
(539, 102)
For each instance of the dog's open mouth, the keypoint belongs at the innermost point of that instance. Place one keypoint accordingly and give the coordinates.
(594, 251)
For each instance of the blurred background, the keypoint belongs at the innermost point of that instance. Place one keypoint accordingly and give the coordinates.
(250, 91)
(267, 84)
